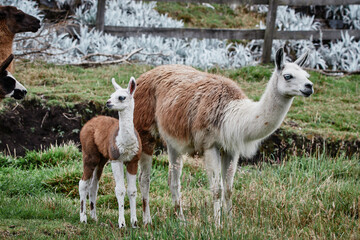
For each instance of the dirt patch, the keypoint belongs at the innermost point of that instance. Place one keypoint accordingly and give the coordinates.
(32, 125)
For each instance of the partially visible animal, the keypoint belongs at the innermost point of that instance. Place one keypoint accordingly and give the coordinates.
(206, 114)
(105, 138)
(9, 86)
(13, 21)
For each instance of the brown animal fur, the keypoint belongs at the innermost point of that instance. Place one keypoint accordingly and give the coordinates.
(12, 21)
(97, 138)
(183, 101)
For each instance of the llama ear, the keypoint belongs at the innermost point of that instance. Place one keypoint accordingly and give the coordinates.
(279, 59)
(6, 63)
(132, 86)
(116, 86)
(302, 59)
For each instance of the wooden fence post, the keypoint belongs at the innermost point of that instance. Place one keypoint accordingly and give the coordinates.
(269, 31)
(100, 15)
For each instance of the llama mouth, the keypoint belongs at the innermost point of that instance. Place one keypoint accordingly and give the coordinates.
(306, 93)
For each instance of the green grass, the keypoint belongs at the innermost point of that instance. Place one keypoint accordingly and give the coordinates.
(305, 197)
(197, 15)
(331, 112)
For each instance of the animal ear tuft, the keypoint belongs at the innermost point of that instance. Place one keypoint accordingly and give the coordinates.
(279, 59)
(303, 59)
(116, 86)
(132, 86)
(6, 63)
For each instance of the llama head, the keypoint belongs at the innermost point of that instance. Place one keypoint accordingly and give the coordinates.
(122, 98)
(17, 21)
(292, 80)
(9, 87)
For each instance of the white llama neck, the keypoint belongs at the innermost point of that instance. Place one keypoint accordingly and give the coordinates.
(126, 127)
(269, 112)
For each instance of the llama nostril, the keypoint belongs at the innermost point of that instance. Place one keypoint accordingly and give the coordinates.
(108, 104)
(308, 85)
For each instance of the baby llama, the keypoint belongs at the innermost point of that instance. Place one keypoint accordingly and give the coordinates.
(106, 138)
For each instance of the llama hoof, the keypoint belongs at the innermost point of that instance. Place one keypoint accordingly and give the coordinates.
(147, 221)
(94, 217)
(134, 224)
(122, 224)
(83, 218)
(146, 218)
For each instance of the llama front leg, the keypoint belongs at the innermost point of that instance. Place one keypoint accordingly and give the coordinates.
(213, 166)
(118, 172)
(144, 180)
(83, 192)
(175, 169)
(132, 193)
(228, 165)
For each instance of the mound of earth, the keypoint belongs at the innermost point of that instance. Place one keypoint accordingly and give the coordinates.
(33, 125)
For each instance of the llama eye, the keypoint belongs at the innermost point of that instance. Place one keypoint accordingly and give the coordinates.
(287, 77)
(121, 98)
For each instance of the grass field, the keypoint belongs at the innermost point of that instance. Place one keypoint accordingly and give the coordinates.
(305, 197)
(332, 111)
(313, 197)
(222, 16)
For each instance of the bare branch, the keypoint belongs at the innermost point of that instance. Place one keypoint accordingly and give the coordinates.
(122, 60)
(102, 54)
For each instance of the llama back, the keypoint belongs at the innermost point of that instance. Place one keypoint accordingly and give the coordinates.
(182, 102)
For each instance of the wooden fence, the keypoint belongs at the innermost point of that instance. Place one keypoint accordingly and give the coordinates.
(269, 34)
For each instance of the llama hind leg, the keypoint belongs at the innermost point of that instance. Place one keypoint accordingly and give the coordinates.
(175, 170)
(132, 192)
(83, 192)
(118, 172)
(228, 165)
(93, 189)
(144, 180)
(90, 161)
(94, 186)
(213, 167)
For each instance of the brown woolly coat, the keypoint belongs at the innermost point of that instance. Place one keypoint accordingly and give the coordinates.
(97, 138)
(12, 21)
(182, 101)
(6, 42)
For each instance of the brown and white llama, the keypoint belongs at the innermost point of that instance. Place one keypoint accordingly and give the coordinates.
(9, 86)
(105, 138)
(12, 21)
(197, 112)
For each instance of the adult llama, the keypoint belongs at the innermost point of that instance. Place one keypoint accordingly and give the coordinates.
(206, 114)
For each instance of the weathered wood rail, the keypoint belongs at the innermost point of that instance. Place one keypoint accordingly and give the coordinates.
(269, 34)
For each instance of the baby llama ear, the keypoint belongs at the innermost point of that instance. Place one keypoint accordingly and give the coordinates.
(279, 59)
(132, 86)
(116, 86)
(303, 59)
